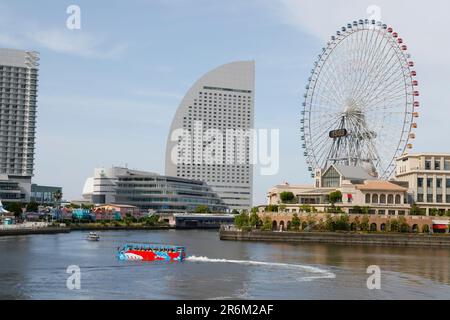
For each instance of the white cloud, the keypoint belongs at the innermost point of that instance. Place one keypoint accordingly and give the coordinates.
(74, 42)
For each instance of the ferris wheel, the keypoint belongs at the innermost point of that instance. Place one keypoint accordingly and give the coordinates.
(360, 101)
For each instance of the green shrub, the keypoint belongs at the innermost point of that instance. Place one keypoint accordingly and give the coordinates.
(342, 223)
(287, 197)
(267, 224)
(296, 222)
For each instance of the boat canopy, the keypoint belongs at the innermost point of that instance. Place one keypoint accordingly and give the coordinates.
(152, 246)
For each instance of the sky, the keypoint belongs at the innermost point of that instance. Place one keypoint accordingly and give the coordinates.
(108, 91)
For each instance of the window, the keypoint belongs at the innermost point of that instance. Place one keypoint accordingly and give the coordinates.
(331, 179)
(447, 165)
(390, 199)
(429, 198)
(429, 182)
(375, 198)
(420, 197)
(367, 198)
(438, 183)
(383, 198)
(447, 183)
(391, 212)
(439, 198)
(427, 165)
(420, 182)
(437, 165)
(398, 199)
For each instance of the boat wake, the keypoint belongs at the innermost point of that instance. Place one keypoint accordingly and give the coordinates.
(319, 273)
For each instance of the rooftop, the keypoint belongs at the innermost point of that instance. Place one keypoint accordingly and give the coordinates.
(353, 173)
(379, 185)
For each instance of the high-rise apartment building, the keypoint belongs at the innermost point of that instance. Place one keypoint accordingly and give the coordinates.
(18, 94)
(215, 118)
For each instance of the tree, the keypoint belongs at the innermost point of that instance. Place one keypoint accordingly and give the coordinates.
(295, 223)
(357, 223)
(343, 223)
(241, 220)
(335, 197)
(235, 212)
(254, 220)
(416, 211)
(57, 196)
(151, 220)
(33, 206)
(394, 225)
(15, 208)
(282, 208)
(202, 209)
(255, 210)
(267, 224)
(364, 226)
(271, 208)
(305, 208)
(434, 212)
(403, 225)
(287, 197)
(329, 223)
(426, 228)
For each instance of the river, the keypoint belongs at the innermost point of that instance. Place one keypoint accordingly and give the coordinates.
(35, 267)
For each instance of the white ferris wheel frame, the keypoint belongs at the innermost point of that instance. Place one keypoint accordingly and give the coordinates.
(362, 82)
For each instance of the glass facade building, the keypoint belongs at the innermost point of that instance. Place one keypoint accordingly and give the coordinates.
(44, 194)
(150, 191)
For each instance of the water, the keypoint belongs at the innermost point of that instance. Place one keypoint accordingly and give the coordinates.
(34, 267)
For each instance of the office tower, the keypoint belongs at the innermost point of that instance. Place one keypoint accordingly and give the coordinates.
(219, 102)
(18, 92)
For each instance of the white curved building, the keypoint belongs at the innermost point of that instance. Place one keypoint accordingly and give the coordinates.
(219, 106)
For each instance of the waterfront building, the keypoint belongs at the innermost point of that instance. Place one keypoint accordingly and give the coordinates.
(428, 177)
(273, 195)
(116, 212)
(282, 221)
(361, 193)
(150, 191)
(44, 195)
(18, 95)
(220, 101)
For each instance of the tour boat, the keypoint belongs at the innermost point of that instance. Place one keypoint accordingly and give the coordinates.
(151, 252)
(92, 236)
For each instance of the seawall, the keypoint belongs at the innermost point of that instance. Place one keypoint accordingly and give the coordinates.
(27, 231)
(345, 238)
(87, 227)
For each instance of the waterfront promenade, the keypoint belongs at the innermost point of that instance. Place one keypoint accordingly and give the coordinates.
(32, 228)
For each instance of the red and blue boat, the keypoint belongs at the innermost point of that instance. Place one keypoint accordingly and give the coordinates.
(151, 252)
